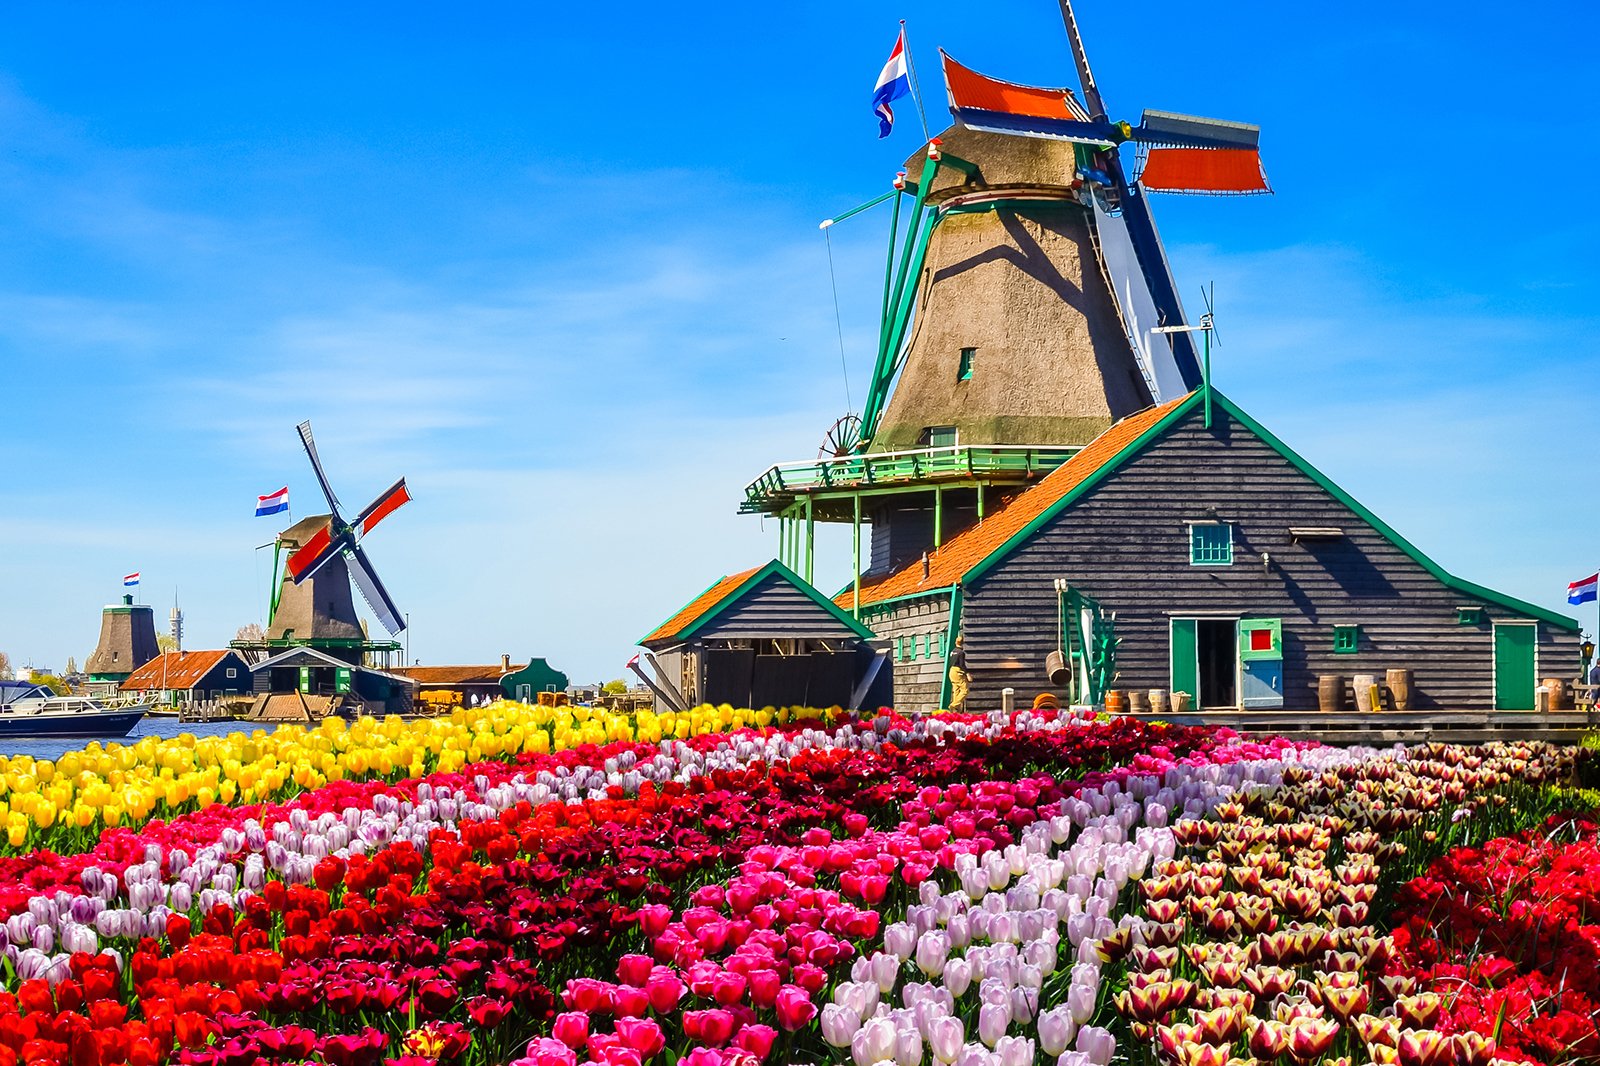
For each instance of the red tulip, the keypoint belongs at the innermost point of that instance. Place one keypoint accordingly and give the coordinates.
(572, 1029)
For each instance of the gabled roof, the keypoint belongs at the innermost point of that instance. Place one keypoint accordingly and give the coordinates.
(175, 670)
(706, 606)
(950, 563)
(455, 675)
(967, 556)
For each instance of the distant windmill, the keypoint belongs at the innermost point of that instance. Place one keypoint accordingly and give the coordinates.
(325, 556)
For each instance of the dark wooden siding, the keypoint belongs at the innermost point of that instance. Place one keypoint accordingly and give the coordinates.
(918, 679)
(1126, 543)
(774, 609)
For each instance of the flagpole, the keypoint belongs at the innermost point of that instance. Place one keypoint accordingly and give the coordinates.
(916, 91)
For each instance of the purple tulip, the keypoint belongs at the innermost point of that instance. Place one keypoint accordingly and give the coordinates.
(839, 1024)
(907, 1047)
(932, 951)
(1014, 1051)
(945, 1037)
(873, 1042)
(899, 940)
(993, 1020)
(957, 976)
(1098, 1044)
(1056, 1029)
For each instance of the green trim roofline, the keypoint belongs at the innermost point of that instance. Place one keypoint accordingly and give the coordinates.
(774, 567)
(1195, 400)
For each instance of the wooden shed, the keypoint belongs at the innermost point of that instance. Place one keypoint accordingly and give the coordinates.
(764, 637)
(1228, 568)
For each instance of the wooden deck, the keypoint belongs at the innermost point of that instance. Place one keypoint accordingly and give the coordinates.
(1389, 727)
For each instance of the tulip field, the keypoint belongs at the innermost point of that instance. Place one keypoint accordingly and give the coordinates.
(562, 886)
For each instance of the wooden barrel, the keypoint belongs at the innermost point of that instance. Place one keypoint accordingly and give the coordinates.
(1399, 684)
(1180, 702)
(1158, 701)
(1055, 668)
(1330, 692)
(1558, 693)
(1137, 703)
(1046, 701)
(1364, 684)
(1116, 703)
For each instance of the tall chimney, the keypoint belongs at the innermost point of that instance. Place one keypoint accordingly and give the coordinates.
(505, 663)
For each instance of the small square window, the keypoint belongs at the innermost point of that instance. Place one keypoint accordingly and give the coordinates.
(233, 671)
(1346, 639)
(1211, 544)
(939, 437)
(1469, 616)
(1260, 640)
(964, 368)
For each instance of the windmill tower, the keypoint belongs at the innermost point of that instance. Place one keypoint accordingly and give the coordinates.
(1028, 306)
(312, 602)
(127, 641)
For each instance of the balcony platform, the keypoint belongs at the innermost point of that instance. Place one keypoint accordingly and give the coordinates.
(831, 487)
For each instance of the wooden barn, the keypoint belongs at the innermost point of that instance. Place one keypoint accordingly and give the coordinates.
(304, 683)
(764, 638)
(1227, 568)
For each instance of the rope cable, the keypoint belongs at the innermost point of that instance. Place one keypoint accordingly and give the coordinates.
(838, 321)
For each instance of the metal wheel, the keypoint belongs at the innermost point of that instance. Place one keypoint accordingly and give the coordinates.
(842, 438)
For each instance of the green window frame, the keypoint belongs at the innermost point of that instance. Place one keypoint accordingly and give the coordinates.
(964, 366)
(941, 436)
(1469, 616)
(1211, 544)
(1346, 639)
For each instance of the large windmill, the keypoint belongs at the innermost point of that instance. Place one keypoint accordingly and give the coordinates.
(1028, 306)
(313, 604)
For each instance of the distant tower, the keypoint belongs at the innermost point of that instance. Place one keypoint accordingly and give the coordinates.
(127, 642)
(175, 627)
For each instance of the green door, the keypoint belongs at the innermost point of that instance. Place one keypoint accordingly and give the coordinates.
(1513, 666)
(341, 679)
(1185, 658)
(305, 679)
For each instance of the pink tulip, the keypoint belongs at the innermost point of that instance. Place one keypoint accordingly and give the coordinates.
(545, 1051)
(756, 1039)
(665, 991)
(1056, 1029)
(641, 1034)
(1098, 1044)
(634, 970)
(654, 918)
(794, 1007)
(713, 1027)
(764, 985)
(1014, 1051)
(572, 1029)
(728, 988)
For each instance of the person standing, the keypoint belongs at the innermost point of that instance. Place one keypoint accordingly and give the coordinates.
(960, 680)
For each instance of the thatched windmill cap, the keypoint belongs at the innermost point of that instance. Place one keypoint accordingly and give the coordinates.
(1030, 164)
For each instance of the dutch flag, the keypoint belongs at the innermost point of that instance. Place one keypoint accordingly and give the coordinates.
(130, 580)
(272, 503)
(893, 83)
(1584, 590)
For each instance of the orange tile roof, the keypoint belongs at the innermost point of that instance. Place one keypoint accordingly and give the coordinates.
(698, 606)
(454, 675)
(950, 562)
(174, 669)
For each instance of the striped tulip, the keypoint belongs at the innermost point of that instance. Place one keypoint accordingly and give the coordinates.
(1425, 1047)
(1312, 1037)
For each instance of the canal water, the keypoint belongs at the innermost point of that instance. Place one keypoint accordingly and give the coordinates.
(55, 747)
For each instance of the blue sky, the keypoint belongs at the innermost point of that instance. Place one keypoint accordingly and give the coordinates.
(559, 265)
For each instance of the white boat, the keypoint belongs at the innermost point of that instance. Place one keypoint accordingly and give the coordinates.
(29, 710)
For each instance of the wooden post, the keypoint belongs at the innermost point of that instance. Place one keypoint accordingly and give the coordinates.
(938, 515)
(811, 541)
(980, 501)
(855, 607)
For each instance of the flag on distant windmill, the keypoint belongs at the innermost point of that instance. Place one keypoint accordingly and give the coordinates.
(130, 580)
(893, 83)
(272, 503)
(1584, 590)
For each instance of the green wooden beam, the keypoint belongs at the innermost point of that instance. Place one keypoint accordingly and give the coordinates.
(856, 566)
(811, 540)
(953, 630)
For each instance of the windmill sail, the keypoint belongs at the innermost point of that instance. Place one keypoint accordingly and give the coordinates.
(372, 590)
(1126, 278)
